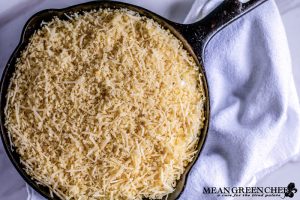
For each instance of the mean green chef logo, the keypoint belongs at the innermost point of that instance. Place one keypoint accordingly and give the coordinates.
(281, 192)
(291, 190)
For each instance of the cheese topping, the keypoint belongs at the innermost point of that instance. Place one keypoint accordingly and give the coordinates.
(105, 105)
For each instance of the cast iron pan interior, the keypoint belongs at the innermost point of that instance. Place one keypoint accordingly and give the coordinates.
(193, 36)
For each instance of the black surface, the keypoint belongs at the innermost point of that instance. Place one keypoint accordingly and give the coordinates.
(194, 37)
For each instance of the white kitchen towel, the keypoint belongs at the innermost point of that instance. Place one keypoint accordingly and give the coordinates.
(255, 117)
(255, 125)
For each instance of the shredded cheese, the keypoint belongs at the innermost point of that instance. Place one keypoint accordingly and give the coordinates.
(105, 105)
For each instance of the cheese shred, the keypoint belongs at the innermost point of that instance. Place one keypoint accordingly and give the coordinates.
(105, 105)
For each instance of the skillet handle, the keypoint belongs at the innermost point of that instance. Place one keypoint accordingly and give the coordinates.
(198, 34)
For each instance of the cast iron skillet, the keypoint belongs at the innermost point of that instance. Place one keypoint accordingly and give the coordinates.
(193, 36)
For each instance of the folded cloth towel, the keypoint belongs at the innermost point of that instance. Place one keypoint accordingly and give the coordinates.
(255, 115)
(255, 122)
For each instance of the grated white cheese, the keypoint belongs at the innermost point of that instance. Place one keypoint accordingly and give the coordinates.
(106, 105)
